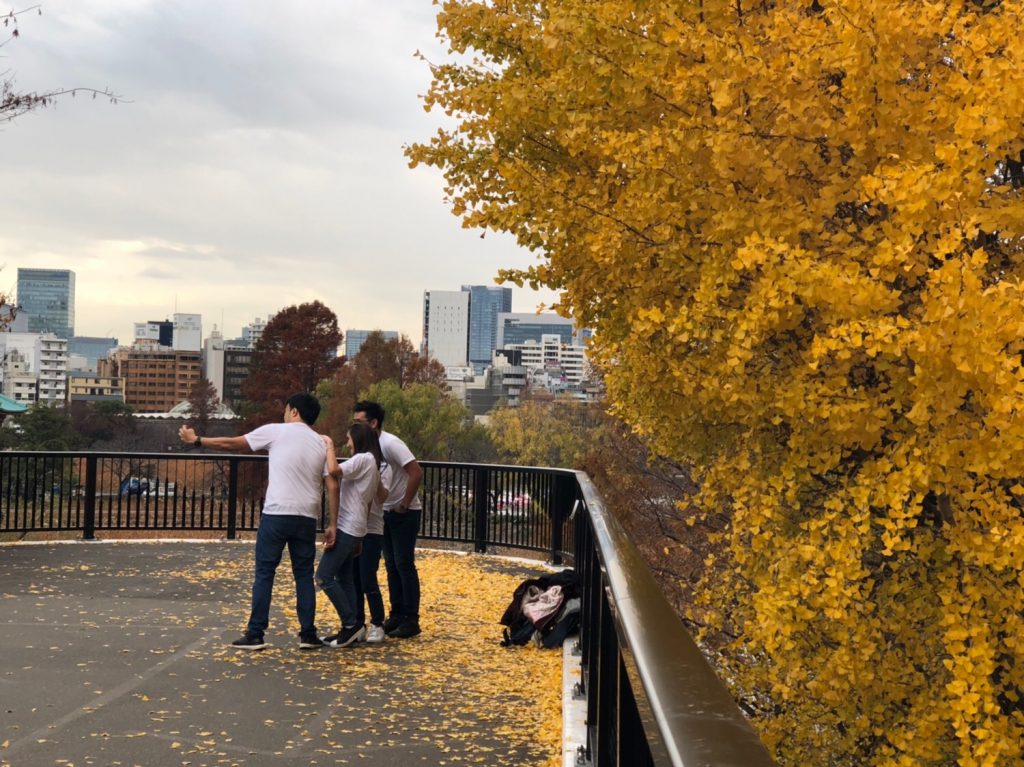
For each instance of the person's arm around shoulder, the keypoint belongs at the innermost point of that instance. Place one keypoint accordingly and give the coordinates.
(188, 436)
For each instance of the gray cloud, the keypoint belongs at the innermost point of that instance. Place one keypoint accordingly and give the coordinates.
(259, 162)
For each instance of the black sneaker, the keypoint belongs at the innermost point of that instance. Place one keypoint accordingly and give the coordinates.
(249, 642)
(346, 636)
(310, 642)
(405, 630)
(393, 621)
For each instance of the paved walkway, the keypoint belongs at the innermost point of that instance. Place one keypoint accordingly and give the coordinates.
(116, 654)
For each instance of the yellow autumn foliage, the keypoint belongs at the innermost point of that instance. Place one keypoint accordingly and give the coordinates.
(796, 228)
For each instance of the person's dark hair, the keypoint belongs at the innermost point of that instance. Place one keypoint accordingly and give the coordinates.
(307, 405)
(365, 440)
(373, 410)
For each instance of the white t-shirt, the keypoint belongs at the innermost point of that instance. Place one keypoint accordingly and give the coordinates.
(296, 457)
(359, 478)
(375, 519)
(397, 455)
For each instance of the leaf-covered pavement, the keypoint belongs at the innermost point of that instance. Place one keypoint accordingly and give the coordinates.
(117, 654)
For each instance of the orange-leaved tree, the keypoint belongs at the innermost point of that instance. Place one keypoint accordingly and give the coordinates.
(796, 228)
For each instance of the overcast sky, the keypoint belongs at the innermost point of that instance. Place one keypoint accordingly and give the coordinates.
(258, 164)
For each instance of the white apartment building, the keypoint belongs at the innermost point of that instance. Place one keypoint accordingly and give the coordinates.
(446, 326)
(35, 367)
(19, 383)
(253, 332)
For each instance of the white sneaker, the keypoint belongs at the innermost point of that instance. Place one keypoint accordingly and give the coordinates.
(375, 634)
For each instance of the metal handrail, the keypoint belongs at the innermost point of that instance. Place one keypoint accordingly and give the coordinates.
(695, 719)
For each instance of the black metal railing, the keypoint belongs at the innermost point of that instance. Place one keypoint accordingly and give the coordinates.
(652, 698)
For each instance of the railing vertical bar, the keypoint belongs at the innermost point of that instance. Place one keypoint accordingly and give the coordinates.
(89, 523)
(233, 499)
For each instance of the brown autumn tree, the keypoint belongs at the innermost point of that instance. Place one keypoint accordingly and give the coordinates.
(298, 350)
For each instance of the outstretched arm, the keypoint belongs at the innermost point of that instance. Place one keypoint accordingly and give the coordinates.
(228, 444)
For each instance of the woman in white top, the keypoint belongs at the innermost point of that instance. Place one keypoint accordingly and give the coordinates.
(335, 575)
(368, 562)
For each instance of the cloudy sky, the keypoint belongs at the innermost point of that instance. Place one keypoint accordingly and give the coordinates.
(256, 164)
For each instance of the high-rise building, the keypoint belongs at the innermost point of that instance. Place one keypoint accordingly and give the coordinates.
(188, 332)
(446, 326)
(354, 339)
(520, 327)
(237, 361)
(47, 296)
(486, 302)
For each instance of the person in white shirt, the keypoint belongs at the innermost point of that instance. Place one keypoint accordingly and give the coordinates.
(368, 562)
(335, 575)
(291, 510)
(402, 513)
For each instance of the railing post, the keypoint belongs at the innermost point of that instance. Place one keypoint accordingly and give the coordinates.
(480, 482)
(563, 494)
(232, 497)
(89, 521)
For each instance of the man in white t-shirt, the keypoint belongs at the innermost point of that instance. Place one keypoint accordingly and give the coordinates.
(291, 509)
(402, 513)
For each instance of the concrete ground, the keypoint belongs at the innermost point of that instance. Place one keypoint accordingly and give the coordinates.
(117, 654)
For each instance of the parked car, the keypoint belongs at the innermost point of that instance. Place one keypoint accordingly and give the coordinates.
(135, 486)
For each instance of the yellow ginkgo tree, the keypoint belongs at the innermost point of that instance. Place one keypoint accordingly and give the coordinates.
(797, 230)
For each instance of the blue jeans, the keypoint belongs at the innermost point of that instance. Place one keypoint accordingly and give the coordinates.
(335, 575)
(299, 535)
(400, 531)
(366, 579)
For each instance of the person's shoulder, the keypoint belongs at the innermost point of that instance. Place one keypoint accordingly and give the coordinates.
(363, 460)
(392, 440)
(267, 430)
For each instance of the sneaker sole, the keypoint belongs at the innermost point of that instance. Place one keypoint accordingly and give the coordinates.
(310, 646)
(249, 646)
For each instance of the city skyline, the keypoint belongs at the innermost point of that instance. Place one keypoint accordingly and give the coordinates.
(250, 167)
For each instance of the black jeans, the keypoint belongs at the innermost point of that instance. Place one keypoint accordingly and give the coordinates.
(400, 531)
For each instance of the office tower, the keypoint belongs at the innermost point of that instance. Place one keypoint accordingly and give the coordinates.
(446, 326)
(486, 302)
(520, 327)
(47, 296)
(188, 333)
(237, 362)
(354, 339)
